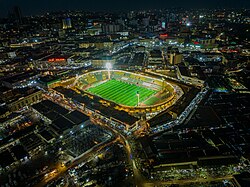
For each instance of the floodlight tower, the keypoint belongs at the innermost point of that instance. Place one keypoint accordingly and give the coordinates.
(163, 84)
(108, 66)
(138, 98)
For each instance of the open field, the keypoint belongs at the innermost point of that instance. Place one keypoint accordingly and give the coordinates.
(121, 92)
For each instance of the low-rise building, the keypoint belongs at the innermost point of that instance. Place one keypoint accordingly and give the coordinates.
(26, 99)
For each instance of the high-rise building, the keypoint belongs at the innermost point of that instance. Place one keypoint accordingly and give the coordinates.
(16, 15)
(67, 23)
(163, 25)
(110, 28)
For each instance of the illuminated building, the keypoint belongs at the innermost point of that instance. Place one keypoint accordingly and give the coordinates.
(163, 25)
(32, 96)
(163, 36)
(110, 28)
(4, 112)
(58, 60)
(205, 41)
(174, 58)
(155, 58)
(98, 45)
(67, 23)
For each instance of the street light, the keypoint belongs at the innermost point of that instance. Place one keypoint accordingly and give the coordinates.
(138, 98)
(109, 66)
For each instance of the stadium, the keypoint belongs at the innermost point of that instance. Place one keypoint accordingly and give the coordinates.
(128, 91)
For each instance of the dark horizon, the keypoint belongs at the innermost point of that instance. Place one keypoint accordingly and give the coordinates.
(30, 7)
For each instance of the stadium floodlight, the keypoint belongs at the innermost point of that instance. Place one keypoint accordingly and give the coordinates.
(138, 98)
(163, 81)
(109, 66)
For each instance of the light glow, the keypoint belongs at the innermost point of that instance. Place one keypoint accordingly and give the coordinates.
(109, 66)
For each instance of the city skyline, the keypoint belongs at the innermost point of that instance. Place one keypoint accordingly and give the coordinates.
(30, 7)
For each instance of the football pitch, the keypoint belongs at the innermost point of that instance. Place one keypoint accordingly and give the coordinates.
(121, 92)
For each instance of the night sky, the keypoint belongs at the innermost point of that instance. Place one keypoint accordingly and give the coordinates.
(30, 7)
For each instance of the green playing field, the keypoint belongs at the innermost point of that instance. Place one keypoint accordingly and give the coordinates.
(121, 92)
